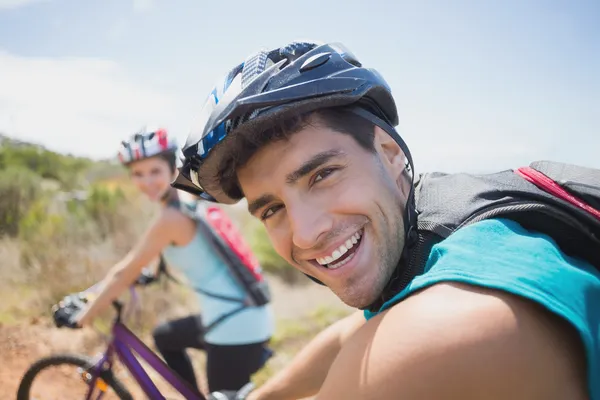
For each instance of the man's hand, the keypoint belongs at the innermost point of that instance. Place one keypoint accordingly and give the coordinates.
(306, 373)
(253, 396)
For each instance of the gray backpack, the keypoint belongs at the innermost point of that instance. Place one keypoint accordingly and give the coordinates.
(560, 200)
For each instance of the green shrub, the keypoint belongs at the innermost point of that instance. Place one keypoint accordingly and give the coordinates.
(19, 189)
(39, 222)
(44, 236)
(67, 245)
(65, 169)
(67, 229)
(102, 206)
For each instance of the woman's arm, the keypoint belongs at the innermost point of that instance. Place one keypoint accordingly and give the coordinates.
(171, 226)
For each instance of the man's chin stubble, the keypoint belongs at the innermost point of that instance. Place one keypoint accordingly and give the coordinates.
(357, 298)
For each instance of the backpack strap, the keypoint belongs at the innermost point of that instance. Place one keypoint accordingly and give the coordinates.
(191, 212)
(162, 270)
(225, 255)
(549, 185)
(224, 317)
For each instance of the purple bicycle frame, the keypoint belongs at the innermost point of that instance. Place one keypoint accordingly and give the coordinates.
(122, 343)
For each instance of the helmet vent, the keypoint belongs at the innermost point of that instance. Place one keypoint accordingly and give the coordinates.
(254, 66)
(315, 61)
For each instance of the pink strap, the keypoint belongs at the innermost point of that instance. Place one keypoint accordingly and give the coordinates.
(547, 184)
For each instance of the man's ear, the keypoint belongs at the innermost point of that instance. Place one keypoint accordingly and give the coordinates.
(392, 155)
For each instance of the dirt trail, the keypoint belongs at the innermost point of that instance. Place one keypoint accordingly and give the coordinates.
(25, 342)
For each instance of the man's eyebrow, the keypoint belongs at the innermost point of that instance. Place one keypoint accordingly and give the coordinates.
(310, 165)
(313, 163)
(259, 203)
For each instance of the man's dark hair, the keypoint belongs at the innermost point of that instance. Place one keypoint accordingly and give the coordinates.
(338, 119)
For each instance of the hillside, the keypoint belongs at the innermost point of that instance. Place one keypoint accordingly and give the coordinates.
(64, 220)
(68, 170)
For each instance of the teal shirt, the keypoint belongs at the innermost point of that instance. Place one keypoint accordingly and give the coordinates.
(204, 269)
(501, 254)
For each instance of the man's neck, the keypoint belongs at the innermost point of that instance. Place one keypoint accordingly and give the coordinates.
(394, 286)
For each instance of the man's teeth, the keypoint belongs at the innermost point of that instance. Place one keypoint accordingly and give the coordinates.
(340, 251)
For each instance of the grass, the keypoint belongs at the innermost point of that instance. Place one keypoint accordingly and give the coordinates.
(60, 253)
(59, 243)
(15, 307)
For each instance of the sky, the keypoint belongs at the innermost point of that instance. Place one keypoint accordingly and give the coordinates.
(480, 85)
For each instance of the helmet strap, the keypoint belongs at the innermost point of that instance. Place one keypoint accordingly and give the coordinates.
(410, 216)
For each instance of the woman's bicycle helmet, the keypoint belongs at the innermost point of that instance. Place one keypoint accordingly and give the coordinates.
(146, 143)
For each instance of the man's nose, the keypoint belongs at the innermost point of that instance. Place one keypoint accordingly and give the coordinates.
(308, 223)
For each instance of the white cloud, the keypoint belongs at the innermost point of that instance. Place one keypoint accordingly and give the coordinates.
(7, 4)
(84, 106)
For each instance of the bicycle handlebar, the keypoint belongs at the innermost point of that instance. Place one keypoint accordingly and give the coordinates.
(72, 304)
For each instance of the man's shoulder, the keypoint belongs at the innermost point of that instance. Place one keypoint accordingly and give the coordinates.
(500, 242)
(457, 341)
(489, 233)
(500, 253)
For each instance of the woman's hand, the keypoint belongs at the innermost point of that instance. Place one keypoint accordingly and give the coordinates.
(67, 312)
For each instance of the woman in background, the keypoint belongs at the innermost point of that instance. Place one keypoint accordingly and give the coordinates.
(236, 346)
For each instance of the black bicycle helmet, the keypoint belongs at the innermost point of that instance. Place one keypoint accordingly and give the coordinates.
(297, 78)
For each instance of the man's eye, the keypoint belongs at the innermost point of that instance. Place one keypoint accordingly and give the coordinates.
(269, 212)
(322, 174)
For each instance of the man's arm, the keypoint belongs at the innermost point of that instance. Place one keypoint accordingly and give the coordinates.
(453, 341)
(306, 373)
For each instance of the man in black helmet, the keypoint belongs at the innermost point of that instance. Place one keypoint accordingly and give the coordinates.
(493, 310)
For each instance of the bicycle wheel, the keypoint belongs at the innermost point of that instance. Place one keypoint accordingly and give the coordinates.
(81, 364)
